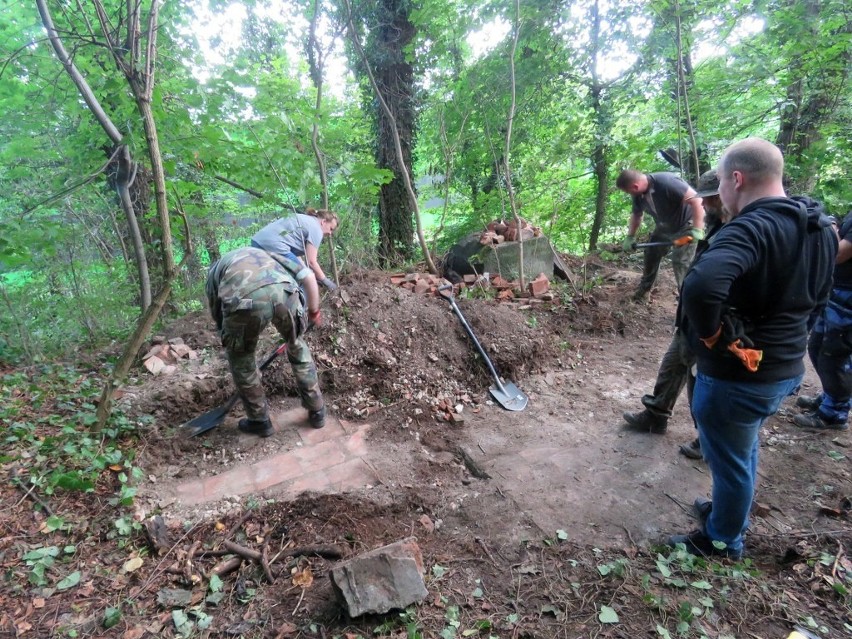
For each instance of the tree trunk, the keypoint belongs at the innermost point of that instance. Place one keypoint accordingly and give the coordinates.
(395, 80)
(394, 214)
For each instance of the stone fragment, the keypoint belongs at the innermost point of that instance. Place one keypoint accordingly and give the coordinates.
(387, 578)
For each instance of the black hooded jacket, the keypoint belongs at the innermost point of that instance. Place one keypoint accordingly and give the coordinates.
(771, 267)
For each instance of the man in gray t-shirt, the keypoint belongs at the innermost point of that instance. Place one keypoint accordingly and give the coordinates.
(679, 219)
(299, 236)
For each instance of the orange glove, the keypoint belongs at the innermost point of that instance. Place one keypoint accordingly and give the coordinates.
(740, 347)
(750, 357)
(682, 241)
(315, 317)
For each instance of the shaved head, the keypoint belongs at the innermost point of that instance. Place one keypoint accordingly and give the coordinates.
(760, 160)
(749, 170)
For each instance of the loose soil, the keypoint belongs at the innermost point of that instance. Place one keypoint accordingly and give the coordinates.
(530, 522)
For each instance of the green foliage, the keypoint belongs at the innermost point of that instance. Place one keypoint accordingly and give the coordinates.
(48, 413)
(243, 108)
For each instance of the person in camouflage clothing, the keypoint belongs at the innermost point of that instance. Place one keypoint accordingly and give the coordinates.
(246, 290)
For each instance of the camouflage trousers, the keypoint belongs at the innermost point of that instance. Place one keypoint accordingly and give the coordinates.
(241, 328)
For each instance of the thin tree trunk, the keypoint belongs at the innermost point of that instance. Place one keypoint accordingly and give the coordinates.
(122, 367)
(599, 152)
(315, 61)
(695, 169)
(23, 333)
(510, 120)
(124, 179)
(88, 322)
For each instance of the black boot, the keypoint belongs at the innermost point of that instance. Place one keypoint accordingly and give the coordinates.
(260, 427)
(809, 402)
(692, 449)
(316, 418)
(646, 422)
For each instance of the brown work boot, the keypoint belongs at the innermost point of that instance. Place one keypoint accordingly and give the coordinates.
(646, 422)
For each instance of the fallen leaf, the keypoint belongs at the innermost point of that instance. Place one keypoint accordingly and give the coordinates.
(427, 523)
(220, 526)
(133, 564)
(133, 633)
(286, 630)
(86, 589)
(304, 578)
(38, 602)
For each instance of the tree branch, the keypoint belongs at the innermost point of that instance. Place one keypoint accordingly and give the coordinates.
(82, 86)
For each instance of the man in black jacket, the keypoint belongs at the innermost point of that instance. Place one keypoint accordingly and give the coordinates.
(745, 306)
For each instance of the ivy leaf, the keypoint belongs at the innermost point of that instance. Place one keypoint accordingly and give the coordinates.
(70, 581)
(111, 617)
(215, 583)
(607, 615)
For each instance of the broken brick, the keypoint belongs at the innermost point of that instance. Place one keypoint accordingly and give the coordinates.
(539, 285)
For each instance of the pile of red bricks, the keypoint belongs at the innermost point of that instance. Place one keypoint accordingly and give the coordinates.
(426, 283)
(499, 231)
(164, 354)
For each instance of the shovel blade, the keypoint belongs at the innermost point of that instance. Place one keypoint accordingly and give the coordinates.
(209, 420)
(201, 424)
(510, 396)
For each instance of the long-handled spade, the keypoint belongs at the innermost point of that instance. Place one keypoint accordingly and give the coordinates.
(212, 418)
(506, 394)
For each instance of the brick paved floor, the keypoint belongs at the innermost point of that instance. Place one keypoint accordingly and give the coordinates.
(326, 460)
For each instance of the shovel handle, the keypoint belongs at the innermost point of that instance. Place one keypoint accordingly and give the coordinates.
(451, 299)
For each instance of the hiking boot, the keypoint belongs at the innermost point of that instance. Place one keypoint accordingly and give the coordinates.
(316, 418)
(692, 449)
(259, 427)
(641, 297)
(699, 544)
(702, 507)
(809, 402)
(646, 422)
(818, 422)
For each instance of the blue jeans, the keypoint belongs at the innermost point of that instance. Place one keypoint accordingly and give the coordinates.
(729, 416)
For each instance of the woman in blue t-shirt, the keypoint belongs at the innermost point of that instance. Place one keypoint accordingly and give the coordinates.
(298, 237)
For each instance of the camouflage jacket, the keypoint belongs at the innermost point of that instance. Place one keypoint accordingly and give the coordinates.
(236, 280)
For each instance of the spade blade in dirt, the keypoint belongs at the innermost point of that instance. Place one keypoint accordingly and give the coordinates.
(509, 396)
(209, 420)
(212, 418)
(506, 394)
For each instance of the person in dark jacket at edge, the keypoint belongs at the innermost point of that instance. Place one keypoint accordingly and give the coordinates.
(830, 348)
(745, 305)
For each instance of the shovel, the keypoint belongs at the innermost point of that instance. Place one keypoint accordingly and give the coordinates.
(644, 245)
(506, 394)
(212, 418)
